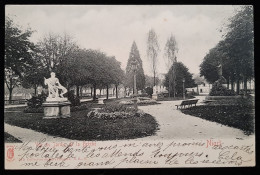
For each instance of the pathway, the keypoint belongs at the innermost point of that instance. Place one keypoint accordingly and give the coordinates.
(176, 125)
(25, 135)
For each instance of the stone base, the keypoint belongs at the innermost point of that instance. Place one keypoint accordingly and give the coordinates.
(57, 99)
(154, 96)
(56, 109)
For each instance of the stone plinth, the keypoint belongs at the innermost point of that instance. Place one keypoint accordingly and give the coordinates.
(56, 109)
(154, 96)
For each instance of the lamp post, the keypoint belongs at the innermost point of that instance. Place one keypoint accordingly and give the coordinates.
(183, 81)
(134, 68)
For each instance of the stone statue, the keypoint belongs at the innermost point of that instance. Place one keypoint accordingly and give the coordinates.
(221, 80)
(53, 88)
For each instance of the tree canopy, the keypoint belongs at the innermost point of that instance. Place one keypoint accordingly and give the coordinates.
(235, 52)
(18, 54)
(182, 72)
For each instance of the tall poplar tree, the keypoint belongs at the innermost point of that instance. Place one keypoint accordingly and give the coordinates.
(152, 52)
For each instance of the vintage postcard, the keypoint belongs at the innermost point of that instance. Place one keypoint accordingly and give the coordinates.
(129, 86)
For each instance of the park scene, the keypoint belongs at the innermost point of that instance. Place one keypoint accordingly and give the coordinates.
(89, 73)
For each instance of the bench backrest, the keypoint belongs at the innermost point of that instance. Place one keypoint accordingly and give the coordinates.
(188, 102)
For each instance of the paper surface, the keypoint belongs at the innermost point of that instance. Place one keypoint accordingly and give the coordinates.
(130, 154)
(180, 140)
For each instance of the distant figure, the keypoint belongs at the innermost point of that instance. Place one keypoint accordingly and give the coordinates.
(54, 86)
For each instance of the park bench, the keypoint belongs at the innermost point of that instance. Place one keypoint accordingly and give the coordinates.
(188, 103)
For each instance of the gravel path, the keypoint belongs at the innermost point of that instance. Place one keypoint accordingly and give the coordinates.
(176, 125)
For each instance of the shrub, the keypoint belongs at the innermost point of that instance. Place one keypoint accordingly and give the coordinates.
(36, 101)
(219, 90)
(75, 101)
(149, 91)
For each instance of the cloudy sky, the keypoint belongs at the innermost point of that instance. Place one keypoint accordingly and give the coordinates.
(112, 29)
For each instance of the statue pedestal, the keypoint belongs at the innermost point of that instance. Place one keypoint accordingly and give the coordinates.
(154, 96)
(56, 109)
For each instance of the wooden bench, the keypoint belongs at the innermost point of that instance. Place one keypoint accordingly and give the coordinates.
(188, 103)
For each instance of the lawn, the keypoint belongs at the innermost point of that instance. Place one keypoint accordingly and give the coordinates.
(11, 139)
(237, 116)
(79, 127)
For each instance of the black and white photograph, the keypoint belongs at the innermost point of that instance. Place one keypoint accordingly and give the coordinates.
(129, 86)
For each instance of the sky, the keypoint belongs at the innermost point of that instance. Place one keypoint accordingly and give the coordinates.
(112, 29)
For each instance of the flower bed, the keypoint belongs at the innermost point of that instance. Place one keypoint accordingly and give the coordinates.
(115, 111)
(98, 113)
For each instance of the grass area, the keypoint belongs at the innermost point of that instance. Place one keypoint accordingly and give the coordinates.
(233, 114)
(80, 127)
(11, 139)
(15, 109)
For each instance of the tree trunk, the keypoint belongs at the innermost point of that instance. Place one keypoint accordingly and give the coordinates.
(228, 83)
(245, 86)
(116, 92)
(94, 92)
(35, 90)
(77, 91)
(68, 87)
(232, 84)
(169, 89)
(91, 92)
(81, 89)
(125, 92)
(174, 90)
(10, 95)
(238, 87)
(107, 91)
(154, 79)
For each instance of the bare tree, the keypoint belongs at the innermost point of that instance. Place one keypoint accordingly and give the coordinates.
(170, 52)
(54, 48)
(152, 52)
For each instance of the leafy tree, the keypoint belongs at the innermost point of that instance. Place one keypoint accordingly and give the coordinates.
(234, 52)
(116, 74)
(181, 72)
(84, 67)
(33, 75)
(208, 68)
(240, 38)
(11, 81)
(152, 52)
(140, 78)
(170, 52)
(18, 53)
